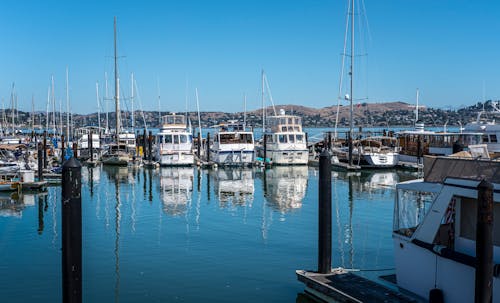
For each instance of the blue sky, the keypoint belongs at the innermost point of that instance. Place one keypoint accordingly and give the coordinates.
(448, 49)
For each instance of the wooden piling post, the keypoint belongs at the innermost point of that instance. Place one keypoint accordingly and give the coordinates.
(349, 138)
(208, 147)
(150, 146)
(62, 149)
(40, 162)
(198, 145)
(325, 214)
(72, 231)
(91, 156)
(484, 243)
(75, 150)
(45, 149)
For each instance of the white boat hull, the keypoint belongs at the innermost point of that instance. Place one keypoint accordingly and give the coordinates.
(176, 159)
(120, 160)
(381, 159)
(288, 157)
(232, 157)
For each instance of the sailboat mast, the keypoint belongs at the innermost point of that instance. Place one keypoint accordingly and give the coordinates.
(98, 107)
(245, 110)
(12, 103)
(416, 109)
(159, 101)
(263, 106)
(32, 116)
(67, 104)
(106, 97)
(117, 88)
(351, 88)
(132, 100)
(198, 108)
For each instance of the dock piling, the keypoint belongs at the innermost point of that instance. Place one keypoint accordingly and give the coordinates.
(45, 149)
(484, 243)
(40, 162)
(208, 147)
(91, 156)
(150, 146)
(72, 231)
(325, 214)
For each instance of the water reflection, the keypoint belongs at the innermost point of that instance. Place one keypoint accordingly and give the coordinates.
(176, 188)
(11, 205)
(234, 186)
(285, 187)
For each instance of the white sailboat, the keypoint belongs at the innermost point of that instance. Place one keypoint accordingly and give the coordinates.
(124, 148)
(372, 152)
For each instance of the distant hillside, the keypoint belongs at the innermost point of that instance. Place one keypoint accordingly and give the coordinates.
(388, 114)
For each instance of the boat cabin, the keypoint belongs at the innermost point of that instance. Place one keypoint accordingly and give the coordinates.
(173, 121)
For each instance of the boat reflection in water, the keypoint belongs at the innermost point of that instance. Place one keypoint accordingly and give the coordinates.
(234, 186)
(11, 205)
(285, 187)
(176, 188)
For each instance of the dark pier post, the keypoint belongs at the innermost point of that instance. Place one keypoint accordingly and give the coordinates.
(75, 150)
(91, 156)
(45, 149)
(40, 162)
(325, 214)
(484, 243)
(62, 149)
(144, 146)
(419, 150)
(265, 149)
(349, 138)
(72, 231)
(150, 146)
(208, 147)
(198, 145)
(329, 141)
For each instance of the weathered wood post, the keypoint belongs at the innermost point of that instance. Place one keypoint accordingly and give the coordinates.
(91, 156)
(329, 140)
(325, 213)
(144, 146)
(198, 145)
(349, 138)
(40, 161)
(62, 149)
(265, 149)
(208, 147)
(484, 243)
(72, 231)
(75, 150)
(150, 146)
(45, 149)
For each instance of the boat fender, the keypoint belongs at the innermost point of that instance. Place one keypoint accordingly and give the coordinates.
(436, 296)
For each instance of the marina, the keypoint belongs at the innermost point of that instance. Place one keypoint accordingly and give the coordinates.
(146, 231)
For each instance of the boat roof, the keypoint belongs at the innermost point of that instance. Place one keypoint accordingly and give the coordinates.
(438, 169)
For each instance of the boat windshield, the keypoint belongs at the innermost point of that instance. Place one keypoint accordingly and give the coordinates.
(235, 138)
(410, 209)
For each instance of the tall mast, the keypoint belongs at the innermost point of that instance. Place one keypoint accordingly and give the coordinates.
(416, 109)
(53, 96)
(263, 106)
(12, 102)
(352, 76)
(98, 106)
(67, 104)
(47, 110)
(132, 100)
(244, 110)
(198, 107)
(159, 103)
(106, 97)
(32, 116)
(117, 88)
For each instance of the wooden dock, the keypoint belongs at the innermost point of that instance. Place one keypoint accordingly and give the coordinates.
(343, 286)
(345, 166)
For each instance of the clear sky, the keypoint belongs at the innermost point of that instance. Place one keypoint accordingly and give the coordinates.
(448, 49)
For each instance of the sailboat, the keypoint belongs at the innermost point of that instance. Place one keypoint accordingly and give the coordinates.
(374, 151)
(123, 149)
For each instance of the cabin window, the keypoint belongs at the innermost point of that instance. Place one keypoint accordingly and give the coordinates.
(296, 128)
(190, 138)
(176, 139)
(410, 209)
(291, 138)
(168, 138)
(468, 219)
(290, 120)
(493, 138)
(300, 138)
(485, 138)
(269, 138)
(183, 138)
(282, 120)
(283, 128)
(290, 128)
(282, 138)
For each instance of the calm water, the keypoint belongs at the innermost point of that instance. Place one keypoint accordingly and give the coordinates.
(189, 235)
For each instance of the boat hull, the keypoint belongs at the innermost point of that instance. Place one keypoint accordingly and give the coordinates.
(288, 157)
(232, 157)
(176, 159)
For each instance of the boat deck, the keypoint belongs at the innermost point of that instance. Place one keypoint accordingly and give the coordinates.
(342, 286)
